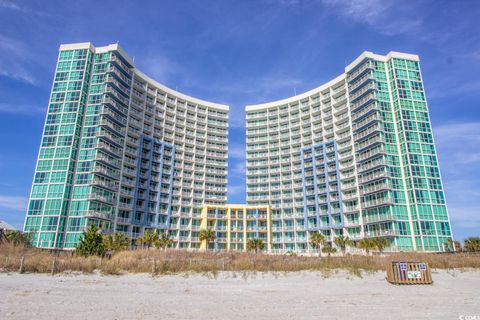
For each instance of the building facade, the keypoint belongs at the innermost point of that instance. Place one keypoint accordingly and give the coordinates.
(235, 224)
(353, 157)
(124, 152)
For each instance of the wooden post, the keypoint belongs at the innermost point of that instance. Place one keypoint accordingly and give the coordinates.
(54, 264)
(22, 260)
(223, 264)
(154, 266)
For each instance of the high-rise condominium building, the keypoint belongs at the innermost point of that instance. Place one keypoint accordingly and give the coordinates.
(353, 157)
(124, 152)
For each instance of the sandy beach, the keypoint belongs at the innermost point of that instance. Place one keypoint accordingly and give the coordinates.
(300, 295)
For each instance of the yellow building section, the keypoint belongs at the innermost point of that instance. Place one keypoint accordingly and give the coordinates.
(234, 224)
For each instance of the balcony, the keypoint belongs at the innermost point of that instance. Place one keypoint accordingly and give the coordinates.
(381, 233)
(377, 203)
(106, 184)
(98, 215)
(378, 218)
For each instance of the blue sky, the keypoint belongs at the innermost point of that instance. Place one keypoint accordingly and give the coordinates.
(241, 53)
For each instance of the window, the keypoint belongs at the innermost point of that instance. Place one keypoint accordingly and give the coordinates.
(49, 141)
(55, 191)
(41, 177)
(74, 85)
(58, 177)
(75, 224)
(71, 107)
(54, 107)
(61, 76)
(49, 223)
(64, 141)
(53, 118)
(39, 191)
(66, 55)
(52, 207)
(80, 54)
(50, 130)
(35, 207)
(72, 96)
(46, 153)
(60, 165)
(77, 75)
(62, 152)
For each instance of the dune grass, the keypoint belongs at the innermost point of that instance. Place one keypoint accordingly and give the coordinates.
(181, 261)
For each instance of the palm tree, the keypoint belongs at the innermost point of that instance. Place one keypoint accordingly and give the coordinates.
(206, 235)
(329, 249)
(472, 244)
(116, 242)
(255, 244)
(148, 238)
(17, 238)
(163, 241)
(317, 240)
(380, 243)
(343, 242)
(366, 244)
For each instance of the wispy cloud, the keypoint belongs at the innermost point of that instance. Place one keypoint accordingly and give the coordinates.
(459, 153)
(9, 5)
(14, 6)
(442, 89)
(17, 73)
(235, 190)
(237, 151)
(387, 17)
(14, 56)
(239, 169)
(13, 202)
(27, 110)
(161, 68)
(254, 90)
(458, 145)
(462, 217)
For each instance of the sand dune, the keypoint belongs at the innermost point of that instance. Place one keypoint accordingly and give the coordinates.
(300, 295)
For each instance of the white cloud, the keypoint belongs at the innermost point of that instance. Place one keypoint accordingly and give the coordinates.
(239, 169)
(235, 190)
(14, 57)
(465, 217)
(237, 152)
(160, 68)
(17, 73)
(9, 5)
(13, 202)
(387, 17)
(458, 146)
(21, 109)
(255, 90)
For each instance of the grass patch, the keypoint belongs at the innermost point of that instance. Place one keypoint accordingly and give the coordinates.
(184, 262)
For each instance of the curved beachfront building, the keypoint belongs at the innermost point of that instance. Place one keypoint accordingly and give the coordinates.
(124, 152)
(353, 157)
